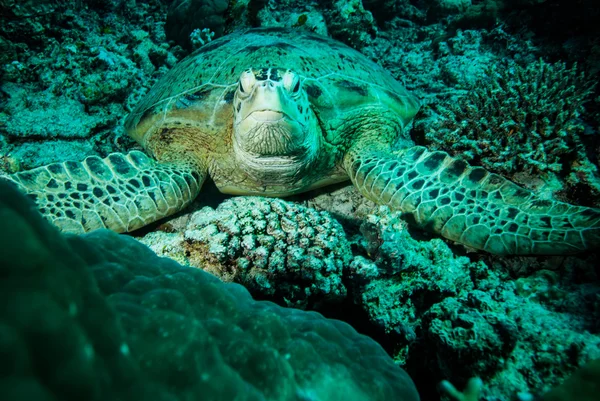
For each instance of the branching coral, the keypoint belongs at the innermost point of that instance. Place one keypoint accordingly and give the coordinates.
(518, 119)
(276, 248)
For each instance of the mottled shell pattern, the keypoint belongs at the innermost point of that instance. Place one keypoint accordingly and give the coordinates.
(201, 87)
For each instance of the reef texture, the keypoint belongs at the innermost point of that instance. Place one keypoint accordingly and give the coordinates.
(70, 73)
(274, 248)
(520, 119)
(72, 70)
(519, 323)
(185, 16)
(449, 316)
(102, 317)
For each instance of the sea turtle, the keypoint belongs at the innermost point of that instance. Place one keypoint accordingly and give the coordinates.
(275, 112)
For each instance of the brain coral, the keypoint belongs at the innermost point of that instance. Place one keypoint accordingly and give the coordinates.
(279, 249)
(101, 317)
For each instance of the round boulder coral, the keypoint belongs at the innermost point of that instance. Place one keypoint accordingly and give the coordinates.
(281, 250)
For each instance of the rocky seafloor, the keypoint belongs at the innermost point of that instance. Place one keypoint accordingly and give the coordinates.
(509, 85)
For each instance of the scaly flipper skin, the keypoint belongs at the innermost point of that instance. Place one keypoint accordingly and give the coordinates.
(470, 206)
(121, 192)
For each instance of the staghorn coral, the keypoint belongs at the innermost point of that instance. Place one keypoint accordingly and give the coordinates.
(279, 249)
(518, 119)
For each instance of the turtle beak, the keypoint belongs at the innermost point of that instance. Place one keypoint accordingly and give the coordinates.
(269, 100)
(268, 103)
(267, 116)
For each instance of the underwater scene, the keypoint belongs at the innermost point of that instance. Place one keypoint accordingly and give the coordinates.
(282, 200)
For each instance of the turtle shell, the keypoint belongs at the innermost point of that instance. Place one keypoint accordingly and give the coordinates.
(201, 87)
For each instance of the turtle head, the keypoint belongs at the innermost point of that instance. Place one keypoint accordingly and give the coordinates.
(272, 117)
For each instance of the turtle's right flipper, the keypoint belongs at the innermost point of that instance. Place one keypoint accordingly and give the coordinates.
(471, 206)
(121, 192)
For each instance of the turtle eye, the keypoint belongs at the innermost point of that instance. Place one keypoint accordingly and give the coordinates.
(247, 81)
(296, 87)
(291, 82)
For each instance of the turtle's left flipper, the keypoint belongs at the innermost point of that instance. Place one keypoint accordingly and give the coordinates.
(121, 192)
(469, 205)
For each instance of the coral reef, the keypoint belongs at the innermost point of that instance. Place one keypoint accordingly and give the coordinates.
(186, 16)
(345, 20)
(440, 314)
(444, 8)
(71, 71)
(298, 15)
(101, 317)
(450, 316)
(386, 10)
(69, 77)
(348, 21)
(404, 277)
(519, 119)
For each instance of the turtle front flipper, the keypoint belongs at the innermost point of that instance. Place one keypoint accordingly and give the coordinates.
(121, 192)
(469, 205)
